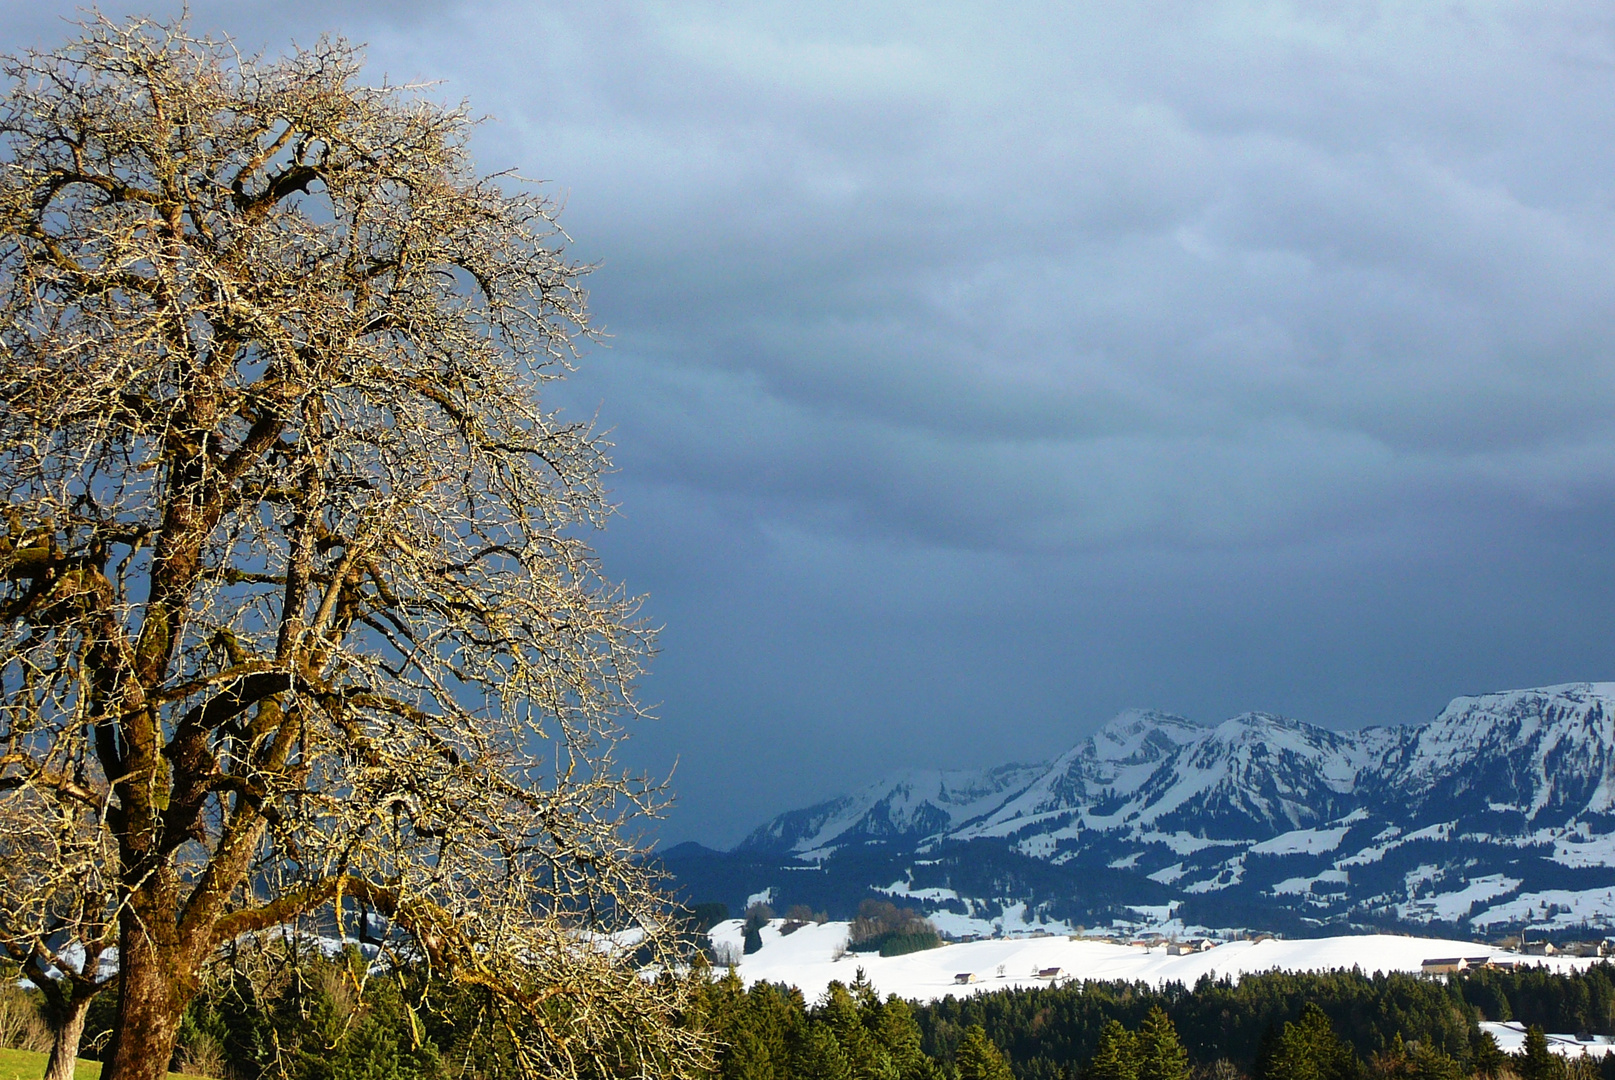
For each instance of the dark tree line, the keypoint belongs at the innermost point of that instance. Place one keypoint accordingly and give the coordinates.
(320, 1018)
(1396, 1025)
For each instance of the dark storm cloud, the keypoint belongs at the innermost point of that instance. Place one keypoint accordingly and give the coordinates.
(976, 372)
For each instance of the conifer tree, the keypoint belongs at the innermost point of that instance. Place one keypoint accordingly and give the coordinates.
(756, 1048)
(1160, 1054)
(900, 1035)
(720, 1003)
(1535, 1061)
(1309, 1049)
(864, 994)
(1486, 1058)
(818, 1056)
(1427, 1062)
(1116, 1057)
(978, 1059)
(1392, 1063)
(757, 917)
(864, 1054)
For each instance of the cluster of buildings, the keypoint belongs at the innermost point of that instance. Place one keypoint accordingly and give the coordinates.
(1052, 974)
(1174, 946)
(1451, 965)
(1597, 948)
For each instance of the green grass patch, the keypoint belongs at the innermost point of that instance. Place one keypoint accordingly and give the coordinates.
(27, 1065)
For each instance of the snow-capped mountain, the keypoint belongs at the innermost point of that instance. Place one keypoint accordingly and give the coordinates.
(1110, 766)
(912, 805)
(1499, 812)
(1515, 761)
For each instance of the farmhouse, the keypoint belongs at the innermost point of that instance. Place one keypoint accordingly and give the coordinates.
(1451, 965)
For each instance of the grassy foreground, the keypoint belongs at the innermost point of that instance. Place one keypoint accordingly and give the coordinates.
(27, 1065)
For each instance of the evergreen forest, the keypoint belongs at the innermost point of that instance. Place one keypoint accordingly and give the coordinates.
(335, 1019)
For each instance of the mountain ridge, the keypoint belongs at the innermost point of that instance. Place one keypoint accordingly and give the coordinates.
(1499, 809)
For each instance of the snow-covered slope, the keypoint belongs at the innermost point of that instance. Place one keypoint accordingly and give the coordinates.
(1255, 775)
(1499, 812)
(1106, 769)
(911, 805)
(810, 957)
(1526, 758)
(1143, 774)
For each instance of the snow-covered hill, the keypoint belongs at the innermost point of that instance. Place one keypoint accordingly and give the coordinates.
(811, 956)
(1498, 813)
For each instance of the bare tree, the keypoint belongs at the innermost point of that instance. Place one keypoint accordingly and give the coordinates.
(58, 910)
(295, 612)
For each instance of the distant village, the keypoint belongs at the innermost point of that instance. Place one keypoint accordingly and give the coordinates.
(1437, 965)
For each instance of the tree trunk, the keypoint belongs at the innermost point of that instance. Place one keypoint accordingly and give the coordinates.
(150, 1005)
(64, 1046)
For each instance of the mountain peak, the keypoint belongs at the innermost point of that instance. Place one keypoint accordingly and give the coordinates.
(1137, 733)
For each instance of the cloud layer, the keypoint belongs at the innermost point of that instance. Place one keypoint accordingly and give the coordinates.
(976, 372)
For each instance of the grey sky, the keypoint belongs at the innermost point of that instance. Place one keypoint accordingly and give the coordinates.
(980, 370)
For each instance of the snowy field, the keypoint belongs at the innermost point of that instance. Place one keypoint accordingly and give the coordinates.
(1510, 1038)
(813, 956)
